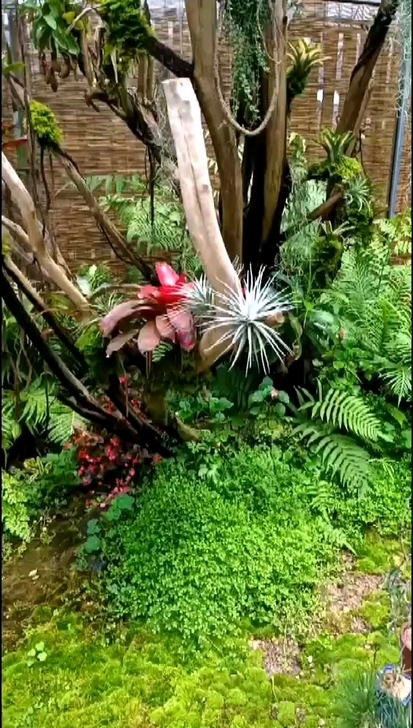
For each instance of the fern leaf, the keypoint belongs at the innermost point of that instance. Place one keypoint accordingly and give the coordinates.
(399, 380)
(161, 351)
(340, 454)
(341, 409)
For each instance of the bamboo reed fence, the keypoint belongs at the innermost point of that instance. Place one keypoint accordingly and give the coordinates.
(102, 145)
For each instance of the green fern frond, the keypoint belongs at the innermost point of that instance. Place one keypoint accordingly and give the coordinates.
(373, 300)
(399, 380)
(61, 423)
(339, 453)
(10, 427)
(161, 351)
(320, 422)
(348, 411)
(40, 411)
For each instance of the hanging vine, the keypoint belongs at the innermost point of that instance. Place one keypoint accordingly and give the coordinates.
(243, 21)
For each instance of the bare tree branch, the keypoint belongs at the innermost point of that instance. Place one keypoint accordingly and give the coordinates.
(36, 241)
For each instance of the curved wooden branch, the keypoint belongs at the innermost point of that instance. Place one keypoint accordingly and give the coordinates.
(186, 127)
(36, 241)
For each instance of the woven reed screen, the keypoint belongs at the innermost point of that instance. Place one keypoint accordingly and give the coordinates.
(101, 144)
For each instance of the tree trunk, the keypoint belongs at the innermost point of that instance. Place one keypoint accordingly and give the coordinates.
(202, 21)
(365, 65)
(270, 185)
(276, 130)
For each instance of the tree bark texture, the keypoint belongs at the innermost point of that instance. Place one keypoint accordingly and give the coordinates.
(202, 22)
(186, 127)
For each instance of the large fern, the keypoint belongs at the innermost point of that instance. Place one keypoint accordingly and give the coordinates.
(349, 411)
(372, 298)
(40, 411)
(166, 232)
(338, 426)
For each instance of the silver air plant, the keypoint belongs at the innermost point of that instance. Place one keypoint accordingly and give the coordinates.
(246, 317)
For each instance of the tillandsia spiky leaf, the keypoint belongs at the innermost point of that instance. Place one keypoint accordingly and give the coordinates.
(200, 298)
(246, 318)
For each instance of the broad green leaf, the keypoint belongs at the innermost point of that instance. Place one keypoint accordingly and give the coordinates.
(51, 21)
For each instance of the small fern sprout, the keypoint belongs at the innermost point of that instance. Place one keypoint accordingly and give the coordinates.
(246, 318)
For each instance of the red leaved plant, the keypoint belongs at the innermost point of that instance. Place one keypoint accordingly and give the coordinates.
(159, 309)
(107, 466)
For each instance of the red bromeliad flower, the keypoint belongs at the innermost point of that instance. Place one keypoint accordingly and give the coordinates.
(161, 308)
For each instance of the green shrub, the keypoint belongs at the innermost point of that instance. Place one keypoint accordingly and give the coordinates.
(28, 492)
(247, 541)
(387, 504)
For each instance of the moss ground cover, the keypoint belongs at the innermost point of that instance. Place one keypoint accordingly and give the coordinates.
(139, 681)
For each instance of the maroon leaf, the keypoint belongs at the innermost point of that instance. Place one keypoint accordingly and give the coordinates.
(165, 327)
(119, 341)
(118, 315)
(166, 274)
(183, 324)
(149, 337)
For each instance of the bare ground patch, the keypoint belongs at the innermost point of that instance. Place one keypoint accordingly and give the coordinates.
(341, 600)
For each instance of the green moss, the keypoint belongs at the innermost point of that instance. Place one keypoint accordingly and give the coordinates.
(377, 555)
(348, 168)
(345, 169)
(287, 712)
(128, 29)
(376, 611)
(85, 682)
(45, 125)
